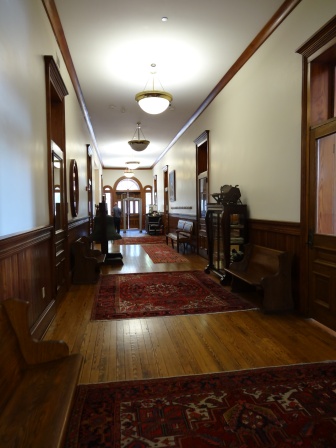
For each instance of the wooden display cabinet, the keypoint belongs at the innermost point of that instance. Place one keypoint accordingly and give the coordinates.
(226, 227)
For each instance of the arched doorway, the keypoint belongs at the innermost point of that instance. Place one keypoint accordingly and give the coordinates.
(128, 195)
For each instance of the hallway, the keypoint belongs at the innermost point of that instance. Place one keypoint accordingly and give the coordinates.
(154, 347)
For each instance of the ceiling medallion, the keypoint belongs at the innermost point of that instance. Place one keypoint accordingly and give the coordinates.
(138, 144)
(153, 101)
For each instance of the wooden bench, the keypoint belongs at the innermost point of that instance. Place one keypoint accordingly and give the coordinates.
(38, 381)
(86, 262)
(182, 234)
(268, 269)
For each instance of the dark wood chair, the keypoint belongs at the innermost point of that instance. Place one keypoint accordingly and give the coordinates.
(155, 227)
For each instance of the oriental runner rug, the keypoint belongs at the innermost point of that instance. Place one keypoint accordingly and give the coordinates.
(291, 406)
(147, 239)
(123, 296)
(161, 253)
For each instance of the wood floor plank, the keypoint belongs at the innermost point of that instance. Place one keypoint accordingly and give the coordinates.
(196, 327)
(156, 364)
(175, 328)
(88, 351)
(120, 358)
(165, 347)
(147, 361)
(158, 347)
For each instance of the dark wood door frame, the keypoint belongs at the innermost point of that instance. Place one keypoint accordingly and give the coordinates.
(55, 114)
(165, 198)
(322, 41)
(202, 143)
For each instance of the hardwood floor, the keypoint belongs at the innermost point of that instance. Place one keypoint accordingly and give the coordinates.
(153, 347)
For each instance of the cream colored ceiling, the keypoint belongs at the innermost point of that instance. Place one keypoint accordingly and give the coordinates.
(114, 42)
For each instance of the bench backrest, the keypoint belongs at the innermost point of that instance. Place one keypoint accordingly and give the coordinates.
(186, 226)
(79, 251)
(12, 362)
(180, 224)
(265, 259)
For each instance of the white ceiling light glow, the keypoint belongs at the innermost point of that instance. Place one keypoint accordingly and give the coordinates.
(132, 165)
(153, 101)
(138, 144)
(128, 173)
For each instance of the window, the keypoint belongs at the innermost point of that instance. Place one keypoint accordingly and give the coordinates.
(148, 198)
(107, 192)
(128, 184)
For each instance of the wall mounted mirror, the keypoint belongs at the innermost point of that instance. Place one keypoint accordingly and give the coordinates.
(73, 186)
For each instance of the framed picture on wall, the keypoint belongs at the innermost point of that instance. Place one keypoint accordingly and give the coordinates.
(172, 186)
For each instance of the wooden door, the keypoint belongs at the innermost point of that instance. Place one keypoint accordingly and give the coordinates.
(89, 187)
(55, 115)
(202, 191)
(59, 222)
(318, 196)
(165, 199)
(322, 224)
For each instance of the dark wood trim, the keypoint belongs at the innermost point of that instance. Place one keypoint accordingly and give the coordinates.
(202, 138)
(78, 222)
(279, 227)
(178, 216)
(53, 75)
(285, 9)
(52, 13)
(25, 272)
(17, 243)
(285, 236)
(73, 188)
(324, 37)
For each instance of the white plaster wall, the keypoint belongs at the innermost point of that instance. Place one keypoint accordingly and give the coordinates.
(25, 37)
(255, 126)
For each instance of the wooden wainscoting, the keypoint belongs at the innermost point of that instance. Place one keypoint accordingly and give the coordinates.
(277, 235)
(281, 236)
(25, 273)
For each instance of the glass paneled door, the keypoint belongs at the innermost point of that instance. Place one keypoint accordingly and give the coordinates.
(322, 224)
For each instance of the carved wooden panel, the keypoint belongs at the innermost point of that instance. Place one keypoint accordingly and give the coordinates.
(25, 273)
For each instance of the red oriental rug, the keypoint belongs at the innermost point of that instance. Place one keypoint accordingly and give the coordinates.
(278, 407)
(146, 239)
(161, 253)
(123, 296)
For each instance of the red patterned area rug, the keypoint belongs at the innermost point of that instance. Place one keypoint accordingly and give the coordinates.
(161, 253)
(123, 296)
(146, 239)
(292, 406)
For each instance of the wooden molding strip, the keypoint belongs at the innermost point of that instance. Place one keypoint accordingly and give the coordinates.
(285, 9)
(52, 13)
(13, 244)
(280, 227)
(186, 207)
(323, 36)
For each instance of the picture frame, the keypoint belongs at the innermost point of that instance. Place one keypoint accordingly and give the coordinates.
(172, 186)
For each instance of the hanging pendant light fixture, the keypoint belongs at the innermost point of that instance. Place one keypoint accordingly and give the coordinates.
(138, 144)
(128, 173)
(132, 165)
(153, 101)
